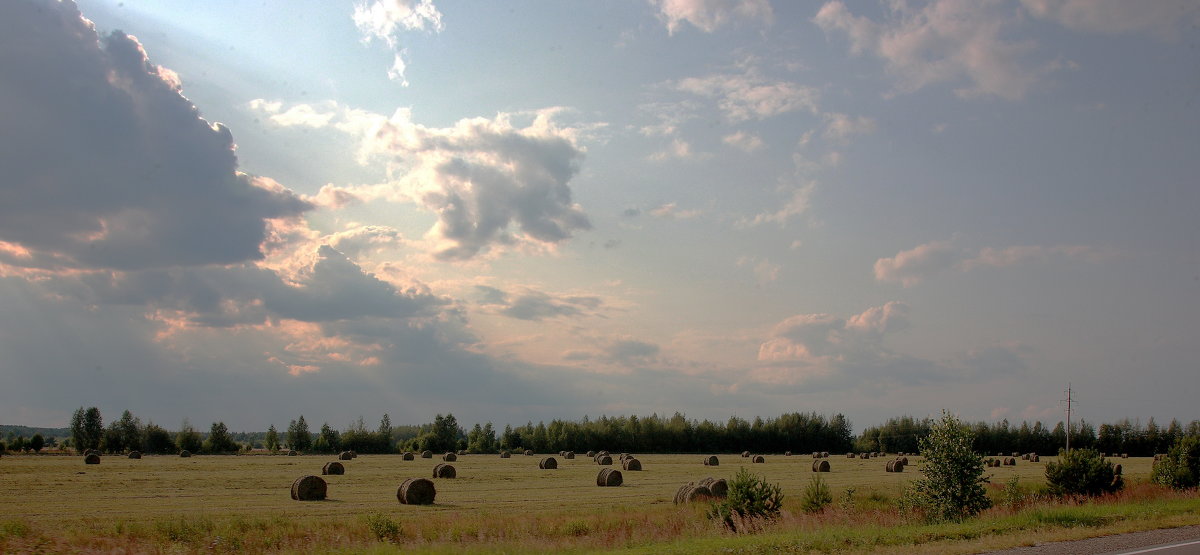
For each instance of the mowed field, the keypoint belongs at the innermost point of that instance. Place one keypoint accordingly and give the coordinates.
(53, 489)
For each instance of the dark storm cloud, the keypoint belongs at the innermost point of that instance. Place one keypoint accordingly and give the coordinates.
(106, 163)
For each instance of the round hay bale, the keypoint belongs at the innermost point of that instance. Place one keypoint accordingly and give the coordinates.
(505, 454)
(548, 463)
(408, 456)
(787, 453)
(443, 470)
(718, 486)
(1124, 455)
(569, 455)
(416, 491)
(609, 477)
(333, 468)
(91, 458)
(820, 466)
(185, 453)
(450, 457)
(529, 452)
(292, 453)
(309, 488)
(816, 455)
(849, 455)
(824, 454)
(135, 454)
(426, 454)
(1035, 458)
(890, 466)
(1010, 461)
(1025, 456)
(353, 455)
(603, 460)
(1117, 469)
(461, 452)
(690, 492)
(758, 459)
(1015, 455)
(745, 454)
(591, 454)
(632, 464)
(711, 460)
(904, 460)
(345, 456)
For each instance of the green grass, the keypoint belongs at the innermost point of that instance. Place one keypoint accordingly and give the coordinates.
(241, 503)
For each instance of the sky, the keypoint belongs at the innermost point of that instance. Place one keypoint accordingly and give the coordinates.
(520, 211)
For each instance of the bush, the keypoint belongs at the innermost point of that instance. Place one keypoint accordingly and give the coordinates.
(816, 495)
(1081, 472)
(383, 528)
(1180, 468)
(750, 499)
(951, 486)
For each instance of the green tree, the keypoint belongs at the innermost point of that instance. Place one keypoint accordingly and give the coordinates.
(1180, 467)
(298, 436)
(187, 438)
(1081, 472)
(327, 440)
(36, 443)
(3, 447)
(816, 495)
(951, 486)
(272, 439)
(750, 498)
(87, 429)
(384, 434)
(157, 440)
(18, 444)
(219, 440)
(129, 429)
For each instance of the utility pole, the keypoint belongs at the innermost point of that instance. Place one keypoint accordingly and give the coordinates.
(1068, 400)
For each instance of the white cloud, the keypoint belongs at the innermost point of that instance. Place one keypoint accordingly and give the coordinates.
(708, 15)
(797, 204)
(107, 164)
(910, 267)
(840, 127)
(671, 211)
(678, 149)
(492, 182)
(765, 271)
(1165, 19)
(750, 95)
(942, 41)
(742, 140)
(385, 19)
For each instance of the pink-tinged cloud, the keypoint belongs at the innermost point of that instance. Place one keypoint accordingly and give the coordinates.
(912, 266)
(941, 41)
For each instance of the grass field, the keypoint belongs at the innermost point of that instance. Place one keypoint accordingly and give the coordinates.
(235, 503)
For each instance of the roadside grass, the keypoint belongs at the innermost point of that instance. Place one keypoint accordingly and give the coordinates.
(232, 504)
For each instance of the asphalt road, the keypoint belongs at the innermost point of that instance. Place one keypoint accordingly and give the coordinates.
(1169, 541)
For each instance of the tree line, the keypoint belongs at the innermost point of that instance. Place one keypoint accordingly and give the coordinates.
(797, 432)
(902, 434)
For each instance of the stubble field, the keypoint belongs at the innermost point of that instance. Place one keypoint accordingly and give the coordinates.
(237, 503)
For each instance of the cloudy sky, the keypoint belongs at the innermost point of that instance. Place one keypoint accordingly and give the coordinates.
(519, 211)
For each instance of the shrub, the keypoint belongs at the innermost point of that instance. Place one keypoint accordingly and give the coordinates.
(1180, 467)
(951, 486)
(816, 495)
(750, 499)
(1081, 472)
(383, 528)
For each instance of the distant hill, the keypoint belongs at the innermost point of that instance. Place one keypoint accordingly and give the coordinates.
(26, 431)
